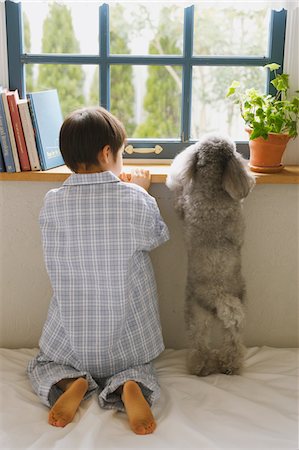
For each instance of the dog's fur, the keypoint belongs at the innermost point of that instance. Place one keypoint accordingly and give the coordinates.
(209, 179)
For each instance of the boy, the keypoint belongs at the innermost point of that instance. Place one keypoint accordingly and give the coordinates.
(103, 328)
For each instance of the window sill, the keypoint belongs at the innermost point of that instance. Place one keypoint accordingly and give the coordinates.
(289, 175)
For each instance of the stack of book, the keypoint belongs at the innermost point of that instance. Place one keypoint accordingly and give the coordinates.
(29, 131)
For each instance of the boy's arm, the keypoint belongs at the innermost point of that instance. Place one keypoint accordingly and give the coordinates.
(150, 231)
(153, 230)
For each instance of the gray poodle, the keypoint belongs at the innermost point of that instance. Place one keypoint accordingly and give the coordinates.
(209, 179)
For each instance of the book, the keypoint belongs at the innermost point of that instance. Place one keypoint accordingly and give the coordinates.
(10, 130)
(13, 98)
(2, 165)
(29, 134)
(5, 141)
(47, 119)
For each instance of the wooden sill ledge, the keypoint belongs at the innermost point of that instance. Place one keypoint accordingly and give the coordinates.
(289, 175)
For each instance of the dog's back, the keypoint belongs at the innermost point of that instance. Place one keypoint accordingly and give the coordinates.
(209, 181)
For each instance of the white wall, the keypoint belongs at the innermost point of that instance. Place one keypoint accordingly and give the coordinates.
(270, 265)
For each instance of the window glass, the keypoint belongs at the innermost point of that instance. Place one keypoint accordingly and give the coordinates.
(147, 99)
(77, 85)
(211, 110)
(57, 27)
(240, 29)
(146, 28)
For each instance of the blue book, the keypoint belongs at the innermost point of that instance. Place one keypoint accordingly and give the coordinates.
(47, 119)
(5, 141)
(2, 165)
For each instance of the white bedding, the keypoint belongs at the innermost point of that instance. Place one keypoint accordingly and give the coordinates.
(255, 410)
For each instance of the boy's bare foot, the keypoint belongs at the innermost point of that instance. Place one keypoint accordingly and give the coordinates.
(68, 403)
(139, 412)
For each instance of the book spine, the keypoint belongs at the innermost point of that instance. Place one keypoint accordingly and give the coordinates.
(2, 165)
(5, 142)
(19, 135)
(29, 136)
(36, 133)
(11, 132)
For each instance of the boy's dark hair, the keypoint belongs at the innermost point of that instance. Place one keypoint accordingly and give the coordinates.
(85, 132)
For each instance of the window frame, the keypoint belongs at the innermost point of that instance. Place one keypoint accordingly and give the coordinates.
(17, 60)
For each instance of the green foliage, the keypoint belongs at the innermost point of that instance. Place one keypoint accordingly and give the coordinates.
(59, 37)
(122, 85)
(217, 25)
(162, 105)
(27, 47)
(214, 36)
(162, 102)
(266, 113)
(121, 76)
(94, 89)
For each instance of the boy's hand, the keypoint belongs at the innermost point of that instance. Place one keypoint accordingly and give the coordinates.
(141, 177)
(126, 177)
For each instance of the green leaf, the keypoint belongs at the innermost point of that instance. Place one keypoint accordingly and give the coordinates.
(293, 129)
(260, 112)
(295, 101)
(281, 82)
(232, 88)
(272, 66)
(259, 101)
(259, 130)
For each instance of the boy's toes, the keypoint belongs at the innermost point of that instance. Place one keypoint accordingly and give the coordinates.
(57, 421)
(144, 427)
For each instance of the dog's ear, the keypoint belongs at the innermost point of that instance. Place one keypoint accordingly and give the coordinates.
(182, 168)
(236, 180)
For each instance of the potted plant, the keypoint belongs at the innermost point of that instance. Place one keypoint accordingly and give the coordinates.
(271, 121)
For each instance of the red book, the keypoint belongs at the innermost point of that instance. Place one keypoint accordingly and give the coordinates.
(13, 98)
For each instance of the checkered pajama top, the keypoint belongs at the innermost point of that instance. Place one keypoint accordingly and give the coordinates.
(97, 232)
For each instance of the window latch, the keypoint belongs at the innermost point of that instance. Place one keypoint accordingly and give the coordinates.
(130, 149)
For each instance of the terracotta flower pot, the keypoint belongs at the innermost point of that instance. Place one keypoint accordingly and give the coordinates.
(266, 154)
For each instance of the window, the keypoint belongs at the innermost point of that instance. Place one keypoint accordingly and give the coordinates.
(161, 68)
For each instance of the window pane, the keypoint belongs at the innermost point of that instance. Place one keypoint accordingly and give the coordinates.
(147, 99)
(77, 85)
(70, 27)
(146, 28)
(241, 29)
(211, 110)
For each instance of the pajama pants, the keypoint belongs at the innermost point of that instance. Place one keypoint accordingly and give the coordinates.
(45, 374)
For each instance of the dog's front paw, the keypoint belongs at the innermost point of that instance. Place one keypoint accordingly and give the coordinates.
(230, 311)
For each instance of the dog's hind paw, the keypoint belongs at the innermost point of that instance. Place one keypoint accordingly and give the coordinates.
(229, 370)
(231, 362)
(202, 366)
